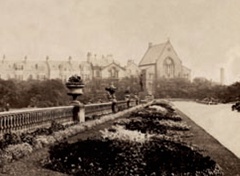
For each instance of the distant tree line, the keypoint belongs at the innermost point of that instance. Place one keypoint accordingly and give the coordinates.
(47, 93)
(197, 89)
(32, 93)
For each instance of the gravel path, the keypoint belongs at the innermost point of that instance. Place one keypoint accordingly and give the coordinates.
(218, 120)
(228, 161)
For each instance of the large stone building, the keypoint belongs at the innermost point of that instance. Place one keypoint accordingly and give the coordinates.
(161, 61)
(99, 68)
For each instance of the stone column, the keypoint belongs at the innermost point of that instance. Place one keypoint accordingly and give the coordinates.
(78, 111)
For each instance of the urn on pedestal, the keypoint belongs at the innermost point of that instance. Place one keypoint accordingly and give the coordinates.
(127, 98)
(75, 87)
(111, 96)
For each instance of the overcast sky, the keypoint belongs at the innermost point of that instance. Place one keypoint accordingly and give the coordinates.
(204, 33)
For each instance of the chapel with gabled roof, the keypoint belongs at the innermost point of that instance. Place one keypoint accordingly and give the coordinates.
(161, 61)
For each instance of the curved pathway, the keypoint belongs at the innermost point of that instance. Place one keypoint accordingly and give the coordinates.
(218, 120)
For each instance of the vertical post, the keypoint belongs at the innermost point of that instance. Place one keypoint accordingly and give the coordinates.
(127, 98)
(114, 106)
(78, 111)
(136, 99)
(128, 102)
(81, 113)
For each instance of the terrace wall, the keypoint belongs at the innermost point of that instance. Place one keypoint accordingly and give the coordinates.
(29, 120)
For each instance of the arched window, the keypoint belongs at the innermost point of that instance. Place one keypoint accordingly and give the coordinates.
(169, 67)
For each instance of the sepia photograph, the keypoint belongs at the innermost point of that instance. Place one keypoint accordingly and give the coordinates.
(119, 88)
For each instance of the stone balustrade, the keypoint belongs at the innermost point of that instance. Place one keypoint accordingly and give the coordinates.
(92, 110)
(27, 120)
(30, 119)
(97, 109)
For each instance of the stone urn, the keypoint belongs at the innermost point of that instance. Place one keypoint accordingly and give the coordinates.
(127, 94)
(111, 92)
(75, 86)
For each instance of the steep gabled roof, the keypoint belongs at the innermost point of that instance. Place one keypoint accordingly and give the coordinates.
(115, 64)
(152, 54)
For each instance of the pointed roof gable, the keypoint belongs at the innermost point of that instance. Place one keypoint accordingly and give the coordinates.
(153, 54)
(114, 64)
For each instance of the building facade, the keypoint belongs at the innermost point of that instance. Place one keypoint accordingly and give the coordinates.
(161, 61)
(93, 67)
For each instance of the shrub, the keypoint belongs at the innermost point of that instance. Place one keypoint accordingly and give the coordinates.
(19, 150)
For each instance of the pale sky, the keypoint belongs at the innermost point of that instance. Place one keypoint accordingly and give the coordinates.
(204, 33)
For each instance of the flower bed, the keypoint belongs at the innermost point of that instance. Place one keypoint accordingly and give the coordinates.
(115, 157)
(130, 147)
(154, 114)
(14, 147)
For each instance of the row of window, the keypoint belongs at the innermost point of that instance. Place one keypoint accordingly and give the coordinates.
(37, 67)
(20, 77)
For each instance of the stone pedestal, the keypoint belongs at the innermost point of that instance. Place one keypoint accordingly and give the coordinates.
(127, 99)
(78, 111)
(75, 88)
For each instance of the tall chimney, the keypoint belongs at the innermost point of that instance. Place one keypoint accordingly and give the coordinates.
(89, 55)
(3, 59)
(69, 59)
(25, 59)
(222, 76)
(150, 44)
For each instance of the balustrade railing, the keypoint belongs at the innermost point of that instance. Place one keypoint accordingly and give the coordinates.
(29, 120)
(97, 109)
(105, 108)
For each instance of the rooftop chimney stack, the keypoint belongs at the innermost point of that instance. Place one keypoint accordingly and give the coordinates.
(150, 44)
(25, 59)
(89, 55)
(70, 59)
(222, 76)
(3, 59)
